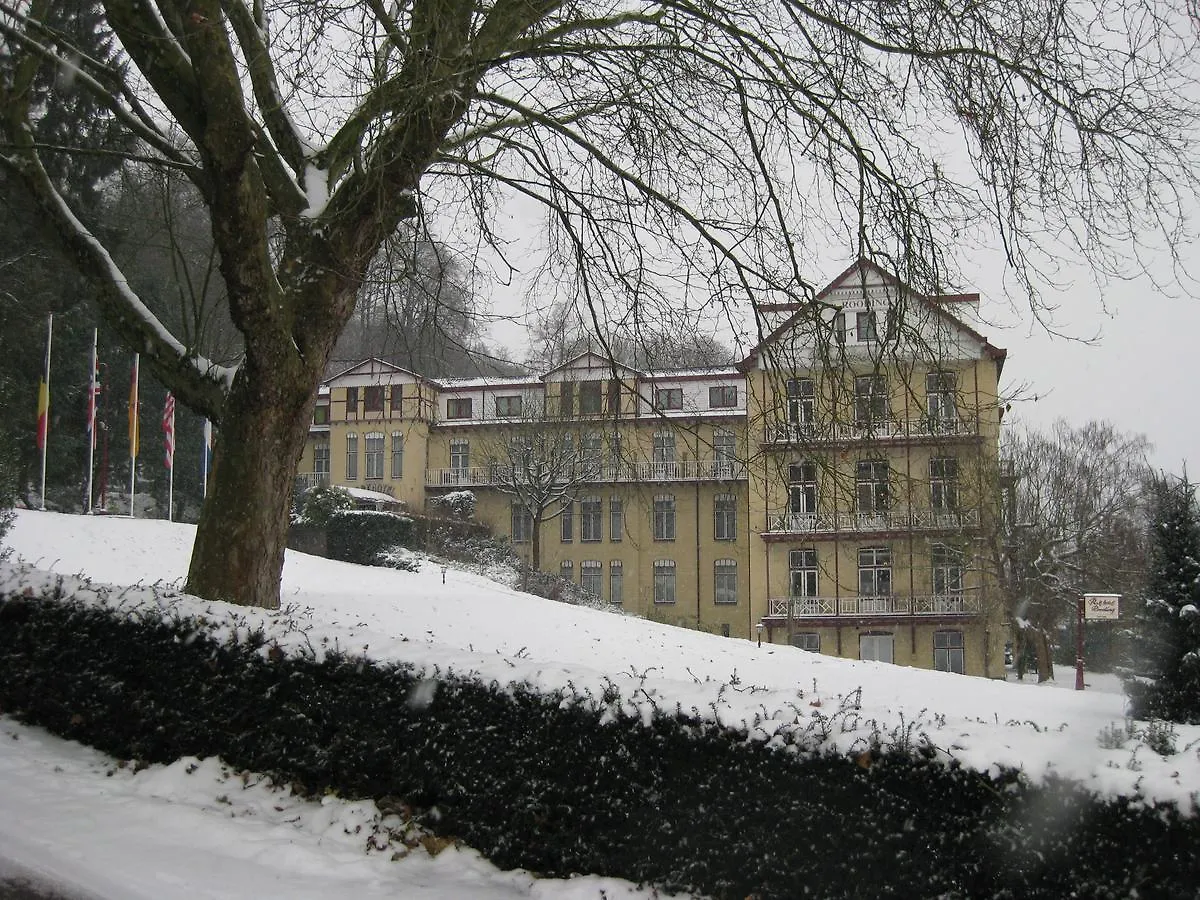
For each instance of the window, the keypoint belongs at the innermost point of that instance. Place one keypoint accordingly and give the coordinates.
(725, 517)
(947, 576)
(522, 523)
(458, 408)
(664, 454)
(725, 581)
(874, 573)
(664, 581)
(352, 457)
(948, 651)
(864, 324)
(871, 486)
(664, 517)
(803, 570)
(509, 406)
(397, 454)
(397, 398)
(802, 489)
(801, 401)
(616, 582)
(807, 640)
(591, 573)
(943, 484)
(839, 328)
(724, 453)
(321, 458)
(460, 455)
(373, 398)
(614, 452)
(351, 403)
(614, 397)
(567, 521)
(321, 414)
(876, 648)
(668, 398)
(723, 396)
(940, 391)
(566, 570)
(870, 400)
(566, 398)
(616, 519)
(591, 519)
(591, 454)
(374, 455)
(591, 398)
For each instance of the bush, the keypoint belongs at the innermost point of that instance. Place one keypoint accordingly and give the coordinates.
(458, 505)
(321, 502)
(360, 536)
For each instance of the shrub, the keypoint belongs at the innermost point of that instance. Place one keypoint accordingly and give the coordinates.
(321, 502)
(458, 505)
(360, 536)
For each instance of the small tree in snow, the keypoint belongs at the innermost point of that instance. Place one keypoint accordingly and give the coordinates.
(457, 505)
(1165, 674)
(322, 502)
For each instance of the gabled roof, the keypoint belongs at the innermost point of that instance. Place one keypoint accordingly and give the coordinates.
(373, 365)
(593, 361)
(861, 269)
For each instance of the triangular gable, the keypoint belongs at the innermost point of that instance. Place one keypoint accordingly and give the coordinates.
(374, 367)
(590, 361)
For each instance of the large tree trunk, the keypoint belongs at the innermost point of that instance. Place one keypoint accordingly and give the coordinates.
(240, 542)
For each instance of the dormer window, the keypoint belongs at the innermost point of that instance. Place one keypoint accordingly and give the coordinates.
(458, 408)
(668, 398)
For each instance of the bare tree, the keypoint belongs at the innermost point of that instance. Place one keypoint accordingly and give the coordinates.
(1076, 524)
(684, 152)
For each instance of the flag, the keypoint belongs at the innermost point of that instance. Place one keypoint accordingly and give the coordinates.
(206, 456)
(133, 410)
(168, 424)
(93, 397)
(43, 419)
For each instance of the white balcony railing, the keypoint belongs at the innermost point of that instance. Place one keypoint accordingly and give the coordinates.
(681, 470)
(311, 480)
(831, 607)
(884, 429)
(919, 520)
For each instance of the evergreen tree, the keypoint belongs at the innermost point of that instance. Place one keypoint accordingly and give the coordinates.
(1165, 675)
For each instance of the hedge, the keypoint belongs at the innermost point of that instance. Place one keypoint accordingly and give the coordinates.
(555, 783)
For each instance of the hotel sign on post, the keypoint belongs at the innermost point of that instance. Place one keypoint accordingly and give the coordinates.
(1101, 606)
(1092, 608)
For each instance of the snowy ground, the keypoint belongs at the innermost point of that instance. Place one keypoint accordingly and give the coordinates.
(161, 832)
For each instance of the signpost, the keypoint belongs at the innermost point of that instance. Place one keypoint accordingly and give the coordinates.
(1094, 607)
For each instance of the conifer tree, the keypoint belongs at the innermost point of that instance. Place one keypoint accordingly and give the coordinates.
(1165, 676)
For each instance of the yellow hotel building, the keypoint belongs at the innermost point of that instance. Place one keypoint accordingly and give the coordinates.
(834, 490)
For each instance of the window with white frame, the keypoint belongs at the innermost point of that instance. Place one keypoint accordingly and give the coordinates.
(591, 574)
(566, 570)
(668, 399)
(664, 581)
(508, 406)
(591, 453)
(591, 519)
(802, 489)
(724, 452)
(870, 400)
(801, 401)
(941, 389)
(947, 564)
(875, 572)
(616, 519)
(614, 452)
(807, 640)
(351, 403)
(877, 647)
(663, 454)
(839, 328)
(458, 408)
(460, 454)
(321, 458)
(373, 455)
(351, 456)
(664, 517)
(802, 571)
(943, 484)
(864, 325)
(725, 586)
(722, 396)
(948, 651)
(522, 523)
(396, 398)
(725, 517)
(397, 454)
(616, 582)
(566, 521)
(591, 398)
(321, 414)
(871, 486)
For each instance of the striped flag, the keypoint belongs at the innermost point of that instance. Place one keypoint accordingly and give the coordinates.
(93, 397)
(43, 419)
(168, 424)
(206, 456)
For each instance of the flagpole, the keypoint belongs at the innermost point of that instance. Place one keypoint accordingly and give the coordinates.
(43, 432)
(133, 433)
(92, 397)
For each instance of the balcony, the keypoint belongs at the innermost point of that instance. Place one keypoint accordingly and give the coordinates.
(789, 523)
(887, 606)
(584, 473)
(311, 480)
(920, 428)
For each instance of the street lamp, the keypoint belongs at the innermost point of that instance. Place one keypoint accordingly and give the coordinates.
(759, 629)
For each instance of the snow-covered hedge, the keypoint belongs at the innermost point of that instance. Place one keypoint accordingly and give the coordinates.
(570, 782)
(360, 536)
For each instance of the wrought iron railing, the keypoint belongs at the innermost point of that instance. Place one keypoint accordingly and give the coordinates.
(918, 520)
(887, 605)
(583, 472)
(803, 433)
